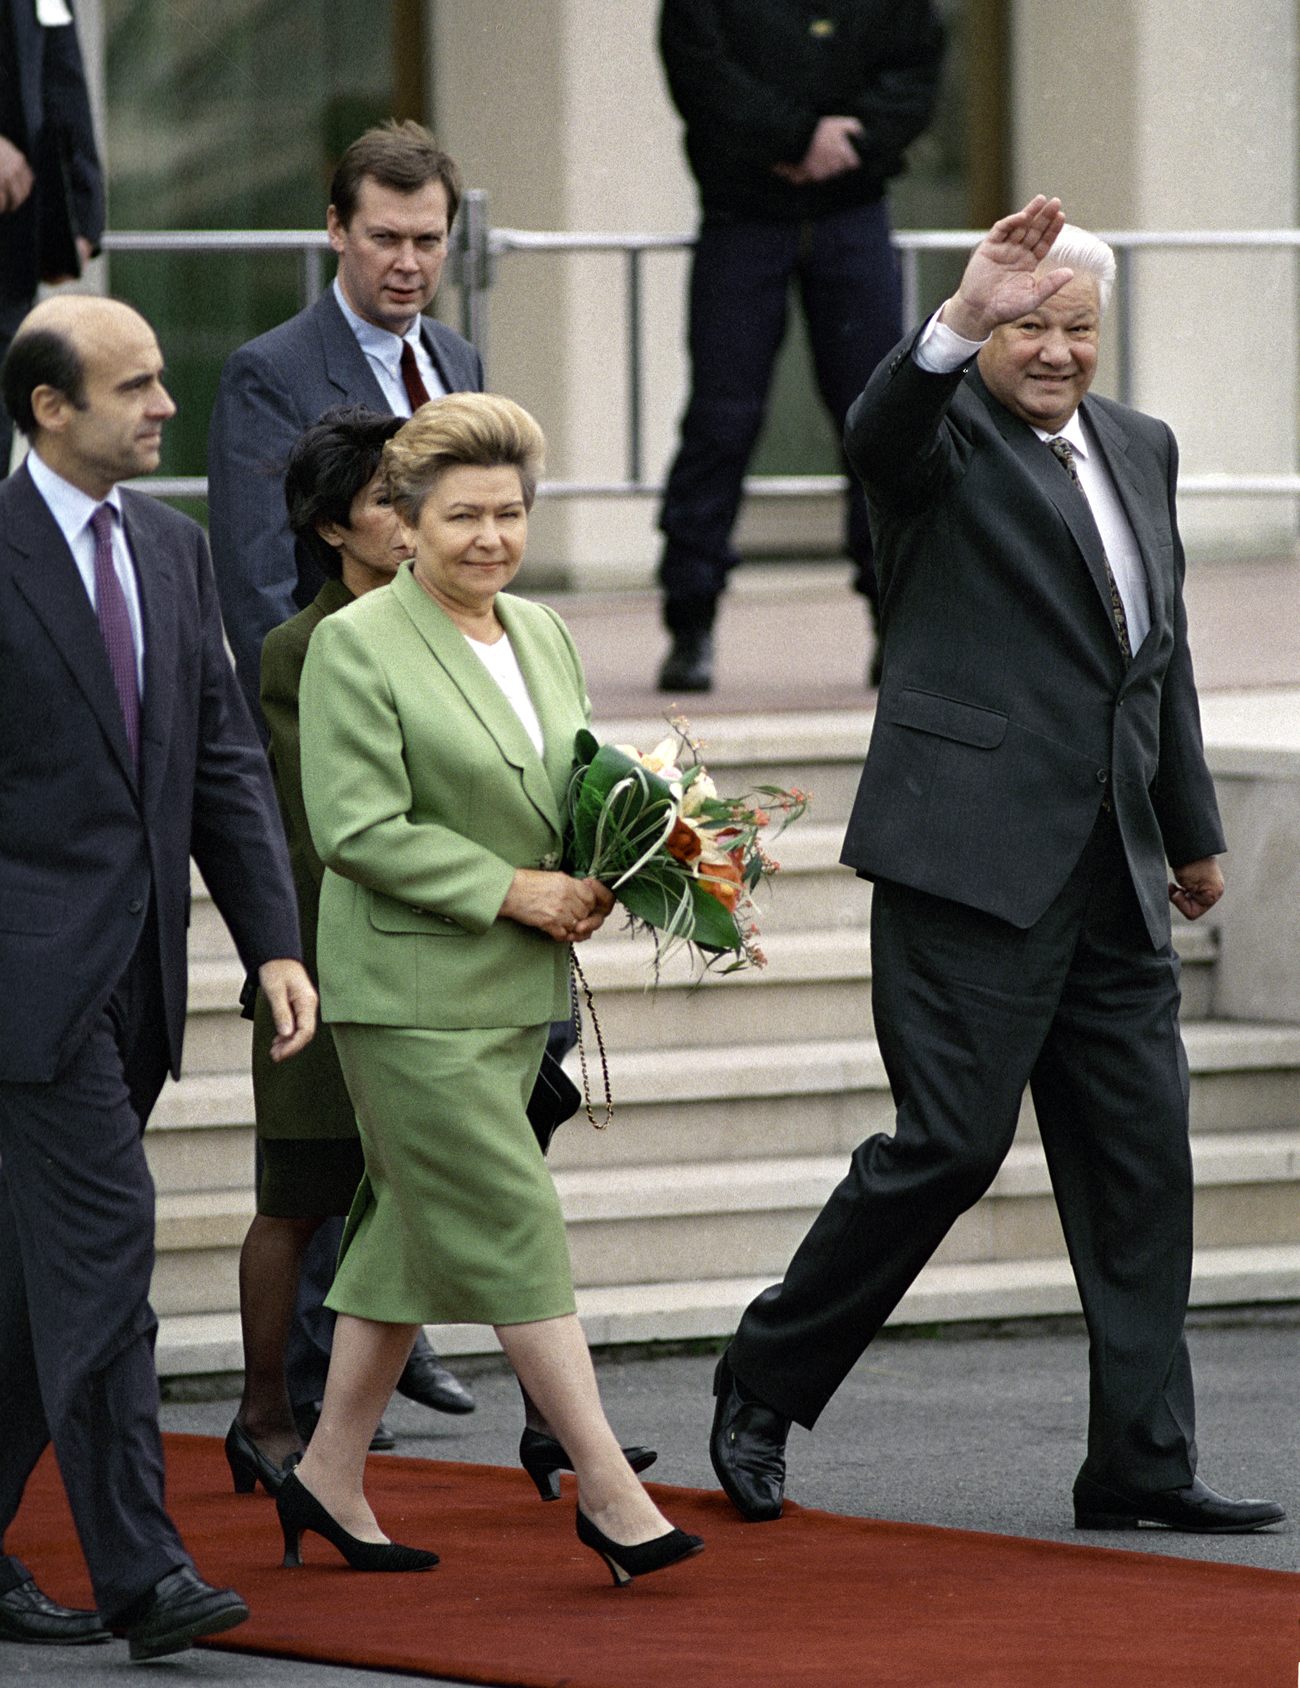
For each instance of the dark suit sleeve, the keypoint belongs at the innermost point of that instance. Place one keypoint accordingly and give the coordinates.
(255, 421)
(1182, 793)
(67, 107)
(765, 125)
(894, 434)
(236, 836)
(283, 655)
(898, 92)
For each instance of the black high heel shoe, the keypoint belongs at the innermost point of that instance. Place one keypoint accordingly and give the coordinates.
(300, 1510)
(249, 1466)
(628, 1562)
(543, 1459)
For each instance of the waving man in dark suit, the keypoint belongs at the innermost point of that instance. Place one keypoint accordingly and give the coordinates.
(125, 748)
(1035, 761)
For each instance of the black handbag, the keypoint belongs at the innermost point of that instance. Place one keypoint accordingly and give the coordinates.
(555, 1098)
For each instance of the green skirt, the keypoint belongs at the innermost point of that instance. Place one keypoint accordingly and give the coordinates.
(456, 1219)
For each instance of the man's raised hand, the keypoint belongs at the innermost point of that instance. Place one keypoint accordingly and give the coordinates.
(999, 284)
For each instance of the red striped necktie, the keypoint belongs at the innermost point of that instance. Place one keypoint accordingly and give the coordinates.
(416, 390)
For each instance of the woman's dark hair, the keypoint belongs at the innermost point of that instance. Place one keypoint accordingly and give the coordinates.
(329, 465)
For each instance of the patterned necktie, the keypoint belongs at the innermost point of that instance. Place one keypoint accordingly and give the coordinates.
(416, 390)
(115, 625)
(1060, 449)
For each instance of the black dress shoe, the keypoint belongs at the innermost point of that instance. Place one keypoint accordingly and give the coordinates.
(176, 1611)
(543, 1459)
(307, 1416)
(28, 1615)
(249, 1466)
(425, 1379)
(747, 1448)
(688, 667)
(1196, 1510)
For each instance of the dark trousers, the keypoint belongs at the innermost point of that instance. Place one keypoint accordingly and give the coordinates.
(76, 1328)
(847, 276)
(968, 1010)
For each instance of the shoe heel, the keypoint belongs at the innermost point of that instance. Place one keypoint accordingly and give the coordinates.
(620, 1576)
(1105, 1521)
(292, 1560)
(548, 1483)
(243, 1476)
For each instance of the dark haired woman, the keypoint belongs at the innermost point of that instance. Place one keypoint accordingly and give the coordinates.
(306, 1125)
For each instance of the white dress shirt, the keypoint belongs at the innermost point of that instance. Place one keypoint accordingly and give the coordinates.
(384, 354)
(940, 350)
(72, 509)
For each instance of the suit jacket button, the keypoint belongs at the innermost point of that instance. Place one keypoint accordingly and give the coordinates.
(134, 906)
(1102, 776)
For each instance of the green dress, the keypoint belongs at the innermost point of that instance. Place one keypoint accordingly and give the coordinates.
(306, 1124)
(424, 795)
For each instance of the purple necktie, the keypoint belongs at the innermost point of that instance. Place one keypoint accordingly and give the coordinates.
(115, 625)
(416, 390)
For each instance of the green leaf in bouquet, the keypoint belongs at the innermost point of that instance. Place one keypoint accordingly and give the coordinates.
(715, 928)
(620, 814)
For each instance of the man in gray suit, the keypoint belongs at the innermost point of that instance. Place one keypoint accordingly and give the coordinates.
(392, 203)
(1036, 758)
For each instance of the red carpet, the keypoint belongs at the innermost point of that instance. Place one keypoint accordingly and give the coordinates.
(812, 1600)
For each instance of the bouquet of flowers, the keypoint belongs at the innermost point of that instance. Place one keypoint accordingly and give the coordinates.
(682, 860)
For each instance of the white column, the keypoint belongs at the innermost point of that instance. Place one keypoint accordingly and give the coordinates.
(559, 111)
(1153, 114)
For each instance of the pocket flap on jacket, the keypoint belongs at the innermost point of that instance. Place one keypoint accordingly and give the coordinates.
(388, 915)
(948, 718)
(36, 913)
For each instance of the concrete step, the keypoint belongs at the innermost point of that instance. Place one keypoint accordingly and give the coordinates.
(742, 1102)
(685, 1312)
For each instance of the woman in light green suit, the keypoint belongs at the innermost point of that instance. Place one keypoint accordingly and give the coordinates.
(438, 721)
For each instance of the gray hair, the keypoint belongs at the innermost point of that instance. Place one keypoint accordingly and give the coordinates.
(1075, 249)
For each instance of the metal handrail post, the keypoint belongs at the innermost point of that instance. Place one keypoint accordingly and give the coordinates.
(634, 364)
(311, 276)
(1124, 257)
(910, 266)
(475, 276)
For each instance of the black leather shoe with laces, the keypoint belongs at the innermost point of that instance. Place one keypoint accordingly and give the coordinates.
(747, 1447)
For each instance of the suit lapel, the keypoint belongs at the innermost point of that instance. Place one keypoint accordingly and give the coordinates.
(48, 579)
(1135, 495)
(449, 384)
(481, 692)
(346, 366)
(1056, 486)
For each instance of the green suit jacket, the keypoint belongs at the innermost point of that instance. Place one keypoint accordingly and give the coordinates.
(424, 794)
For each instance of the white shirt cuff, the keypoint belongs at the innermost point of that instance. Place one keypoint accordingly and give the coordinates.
(940, 350)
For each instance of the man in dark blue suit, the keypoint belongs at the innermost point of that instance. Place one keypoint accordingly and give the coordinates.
(1035, 763)
(392, 203)
(125, 749)
(51, 185)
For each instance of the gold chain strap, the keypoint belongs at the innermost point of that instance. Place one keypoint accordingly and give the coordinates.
(575, 978)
